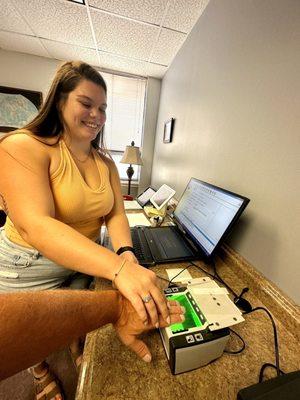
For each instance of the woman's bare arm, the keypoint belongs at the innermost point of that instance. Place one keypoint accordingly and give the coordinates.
(116, 221)
(25, 186)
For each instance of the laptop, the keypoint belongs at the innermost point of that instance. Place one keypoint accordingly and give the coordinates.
(202, 219)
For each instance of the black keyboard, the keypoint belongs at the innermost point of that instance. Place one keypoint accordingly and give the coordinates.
(141, 248)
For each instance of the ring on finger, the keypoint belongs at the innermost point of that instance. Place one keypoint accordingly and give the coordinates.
(147, 298)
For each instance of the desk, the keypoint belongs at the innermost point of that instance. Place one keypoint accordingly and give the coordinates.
(111, 371)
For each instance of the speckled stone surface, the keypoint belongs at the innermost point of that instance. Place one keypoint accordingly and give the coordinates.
(111, 371)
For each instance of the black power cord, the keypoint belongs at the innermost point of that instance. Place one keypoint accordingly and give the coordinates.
(170, 281)
(246, 307)
(215, 276)
(241, 339)
(276, 366)
(183, 269)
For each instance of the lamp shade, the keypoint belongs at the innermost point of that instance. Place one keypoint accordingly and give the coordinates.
(132, 155)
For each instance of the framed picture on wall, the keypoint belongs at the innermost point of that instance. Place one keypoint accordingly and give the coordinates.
(168, 130)
(17, 107)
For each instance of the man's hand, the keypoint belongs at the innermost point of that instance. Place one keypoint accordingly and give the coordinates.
(129, 326)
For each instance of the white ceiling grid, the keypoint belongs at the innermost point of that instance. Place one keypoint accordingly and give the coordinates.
(136, 37)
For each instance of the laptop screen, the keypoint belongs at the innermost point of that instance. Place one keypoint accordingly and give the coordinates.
(206, 213)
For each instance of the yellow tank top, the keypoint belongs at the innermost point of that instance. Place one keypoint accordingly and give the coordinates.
(76, 204)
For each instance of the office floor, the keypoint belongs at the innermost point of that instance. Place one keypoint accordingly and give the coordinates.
(20, 386)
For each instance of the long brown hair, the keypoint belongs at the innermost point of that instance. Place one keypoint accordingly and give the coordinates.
(48, 122)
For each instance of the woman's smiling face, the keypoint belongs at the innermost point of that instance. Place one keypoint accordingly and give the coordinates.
(84, 111)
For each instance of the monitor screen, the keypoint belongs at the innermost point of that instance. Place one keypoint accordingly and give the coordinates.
(206, 213)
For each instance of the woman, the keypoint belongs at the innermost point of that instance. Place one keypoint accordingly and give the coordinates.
(58, 187)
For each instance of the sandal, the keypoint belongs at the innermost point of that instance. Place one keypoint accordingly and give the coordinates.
(76, 358)
(47, 387)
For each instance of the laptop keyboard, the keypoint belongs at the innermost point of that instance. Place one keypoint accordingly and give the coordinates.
(141, 247)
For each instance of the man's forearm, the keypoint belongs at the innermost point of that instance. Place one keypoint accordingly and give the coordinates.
(34, 324)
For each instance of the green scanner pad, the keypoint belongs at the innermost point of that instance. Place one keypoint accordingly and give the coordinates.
(191, 318)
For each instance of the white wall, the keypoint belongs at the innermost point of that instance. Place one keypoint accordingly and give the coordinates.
(234, 91)
(150, 121)
(26, 71)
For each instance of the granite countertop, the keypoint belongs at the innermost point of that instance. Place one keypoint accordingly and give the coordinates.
(111, 371)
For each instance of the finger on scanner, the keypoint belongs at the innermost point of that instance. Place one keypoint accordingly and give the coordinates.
(172, 303)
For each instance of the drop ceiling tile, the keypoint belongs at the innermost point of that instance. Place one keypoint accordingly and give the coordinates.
(183, 14)
(23, 44)
(123, 37)
(57, 20)
(68, 52)
(111, 62)
(11, 20)
(64, 52)
(167, 46)
(150, 11)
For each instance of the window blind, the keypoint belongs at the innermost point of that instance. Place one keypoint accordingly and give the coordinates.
(125, 115)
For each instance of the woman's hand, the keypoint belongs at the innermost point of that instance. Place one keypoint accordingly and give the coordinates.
(129, 326)
(140, 286)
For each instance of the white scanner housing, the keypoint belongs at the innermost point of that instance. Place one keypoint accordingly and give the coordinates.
(202, 337)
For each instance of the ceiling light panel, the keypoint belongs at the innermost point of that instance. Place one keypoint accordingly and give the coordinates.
(183, 14)
(58, 20)
(145, 10)
(18, 42)
(123, 37)
(11, 20)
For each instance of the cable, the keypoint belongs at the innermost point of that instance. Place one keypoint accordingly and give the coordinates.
(170, 281)
(162, 278)
(241, 349)
(246, 306)
(215, 276)
(275, 344)
(203, 270)
(266, 365)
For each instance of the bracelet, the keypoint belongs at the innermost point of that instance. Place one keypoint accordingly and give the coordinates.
(125, 248)
(117, 273)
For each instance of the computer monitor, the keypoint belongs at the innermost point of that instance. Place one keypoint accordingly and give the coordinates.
(206, 213)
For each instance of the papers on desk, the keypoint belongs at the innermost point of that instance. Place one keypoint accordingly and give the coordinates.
(135, 219)
(132, 205)
(182, 275)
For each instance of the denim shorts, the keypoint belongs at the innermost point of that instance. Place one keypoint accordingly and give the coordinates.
(23, 269)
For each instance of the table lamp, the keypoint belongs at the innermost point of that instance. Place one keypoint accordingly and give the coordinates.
(131, 156)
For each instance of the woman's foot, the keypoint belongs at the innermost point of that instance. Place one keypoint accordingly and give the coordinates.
(46, 385)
